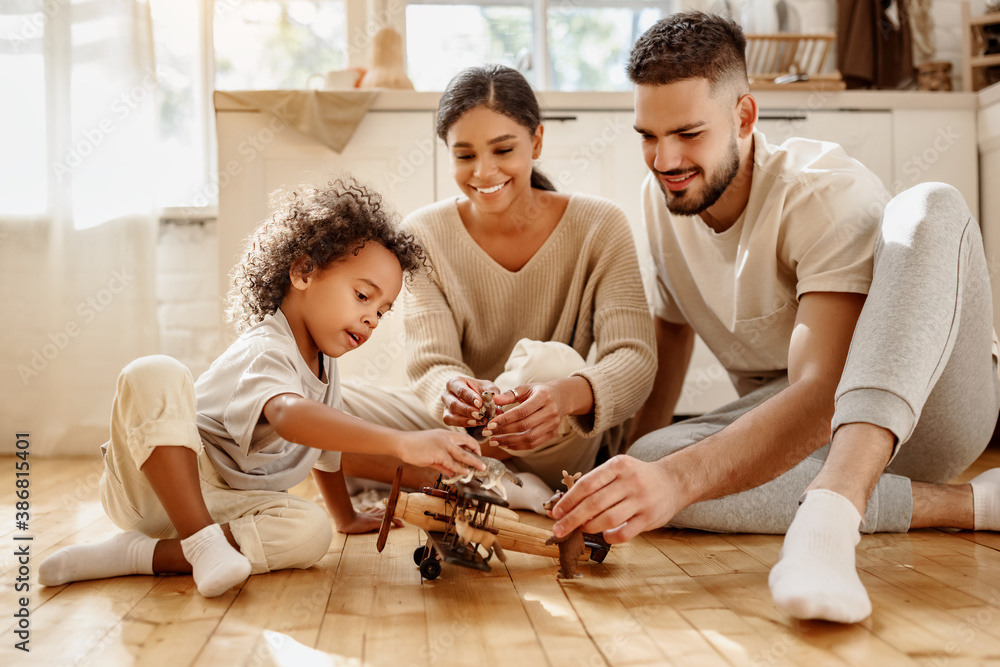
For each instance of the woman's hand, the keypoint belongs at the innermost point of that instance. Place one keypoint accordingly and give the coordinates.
(542, 408)
(463, 402)
(446, 451)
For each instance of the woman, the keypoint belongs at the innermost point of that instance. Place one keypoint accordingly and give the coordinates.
(524, 282)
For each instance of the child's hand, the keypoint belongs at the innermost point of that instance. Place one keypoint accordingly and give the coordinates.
(368, 521)
(446, 451)
(463, 402)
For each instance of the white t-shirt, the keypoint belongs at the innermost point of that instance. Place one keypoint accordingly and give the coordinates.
(262, 363)
(809, 226)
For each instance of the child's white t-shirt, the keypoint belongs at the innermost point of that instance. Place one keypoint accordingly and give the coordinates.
(809, 226)
(262, 363)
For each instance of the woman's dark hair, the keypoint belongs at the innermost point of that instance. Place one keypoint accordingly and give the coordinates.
(321, 225)
(500, 89)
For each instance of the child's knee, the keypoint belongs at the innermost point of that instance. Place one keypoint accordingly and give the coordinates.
(309, 540)
(156, 370)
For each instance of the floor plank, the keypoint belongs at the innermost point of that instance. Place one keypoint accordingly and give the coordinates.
(668, 597)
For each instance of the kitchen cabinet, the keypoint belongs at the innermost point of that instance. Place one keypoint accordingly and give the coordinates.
(589, 146)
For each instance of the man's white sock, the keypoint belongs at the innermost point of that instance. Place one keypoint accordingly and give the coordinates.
(215, 564)
(124, 554)
(986, 500)
(816, 576)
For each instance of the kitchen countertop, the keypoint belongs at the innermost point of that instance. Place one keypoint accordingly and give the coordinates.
(795, 100)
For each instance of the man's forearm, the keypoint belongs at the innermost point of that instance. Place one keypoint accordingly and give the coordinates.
(758, 447)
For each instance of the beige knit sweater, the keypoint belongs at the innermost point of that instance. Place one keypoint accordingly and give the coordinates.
(582, 288)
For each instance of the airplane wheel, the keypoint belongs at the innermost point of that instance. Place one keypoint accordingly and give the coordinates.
(418, 555)
(430, 568)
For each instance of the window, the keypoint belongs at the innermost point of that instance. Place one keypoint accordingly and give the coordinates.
(202, 45)
(584, 43)
(271, 44)
(186, 146)
(24, 174)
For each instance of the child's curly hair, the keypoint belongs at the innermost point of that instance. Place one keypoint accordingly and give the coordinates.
(322, 224)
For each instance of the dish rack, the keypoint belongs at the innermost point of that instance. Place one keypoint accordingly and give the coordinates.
(796, 60)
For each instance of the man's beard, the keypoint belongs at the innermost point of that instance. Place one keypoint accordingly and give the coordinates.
(684, 202)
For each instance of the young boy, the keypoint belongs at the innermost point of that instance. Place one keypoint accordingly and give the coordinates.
(197, 473)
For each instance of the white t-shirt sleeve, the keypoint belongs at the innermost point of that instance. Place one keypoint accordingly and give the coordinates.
(664, 305)
(269, 374)
(329, 461)
(831, 240)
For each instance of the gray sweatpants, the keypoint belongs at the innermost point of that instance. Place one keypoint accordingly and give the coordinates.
(922, 364)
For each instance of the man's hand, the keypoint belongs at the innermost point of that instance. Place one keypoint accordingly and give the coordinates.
(463, 402)
(446, 451)
(620, 498)
(368, 521)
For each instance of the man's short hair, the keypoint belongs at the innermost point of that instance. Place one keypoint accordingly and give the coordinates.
(690, 45)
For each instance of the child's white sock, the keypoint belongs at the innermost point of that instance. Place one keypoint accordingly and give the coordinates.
(816, 576)
(986, 500)
(124, 554)
(531, 496)
(215, 564)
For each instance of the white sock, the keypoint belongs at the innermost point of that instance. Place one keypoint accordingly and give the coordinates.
(815, 576)
(531, 496)
(124, 554)
(986, 500)
(215, 564)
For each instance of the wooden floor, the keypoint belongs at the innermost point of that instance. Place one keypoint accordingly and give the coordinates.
(670, 597)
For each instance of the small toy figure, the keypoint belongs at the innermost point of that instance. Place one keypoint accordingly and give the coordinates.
(488, 412)
(472, 535)
(489, 478)
(571, 546)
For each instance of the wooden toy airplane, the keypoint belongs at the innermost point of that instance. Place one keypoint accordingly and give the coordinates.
(435, 511)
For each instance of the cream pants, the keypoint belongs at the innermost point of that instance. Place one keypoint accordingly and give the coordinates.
(155, 407)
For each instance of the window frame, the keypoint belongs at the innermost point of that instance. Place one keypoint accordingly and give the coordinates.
(539, 73)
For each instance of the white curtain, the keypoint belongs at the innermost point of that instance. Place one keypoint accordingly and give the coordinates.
(78, 108)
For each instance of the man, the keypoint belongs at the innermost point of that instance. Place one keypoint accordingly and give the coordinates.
(768, 254)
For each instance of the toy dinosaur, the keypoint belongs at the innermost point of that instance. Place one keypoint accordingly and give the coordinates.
(571, 546)
(489, 478)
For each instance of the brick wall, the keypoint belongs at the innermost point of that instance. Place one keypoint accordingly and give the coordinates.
(187, 297)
